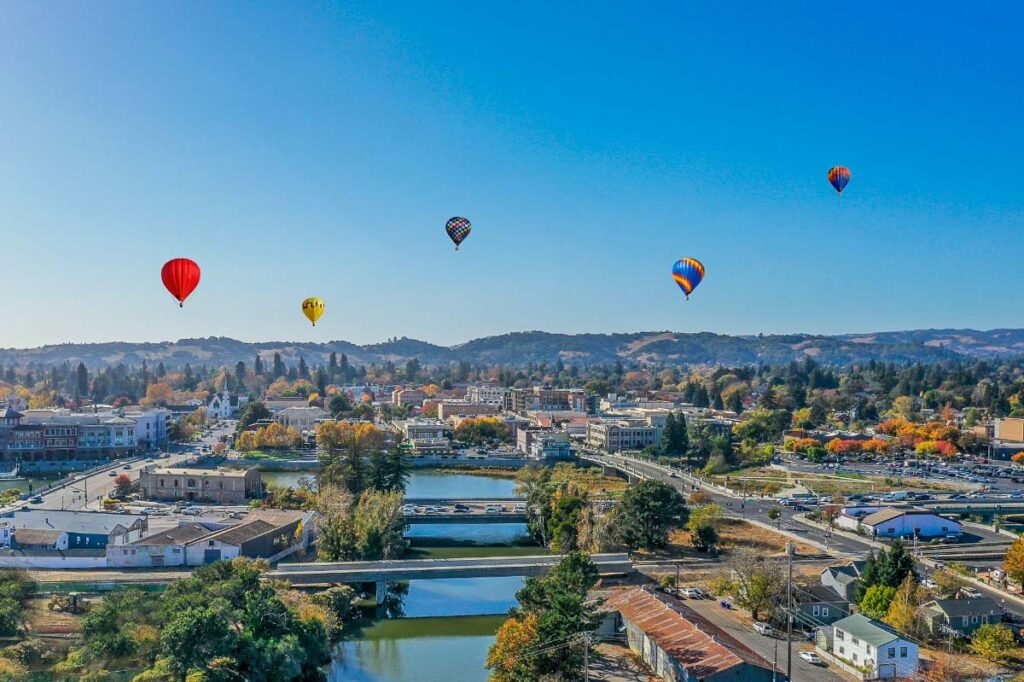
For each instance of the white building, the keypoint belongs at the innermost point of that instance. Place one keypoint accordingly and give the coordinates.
(891, 522)
(224, 405)
(627, 433)
(863, 642)
(151, 427)
(301, 418)
(487, 395)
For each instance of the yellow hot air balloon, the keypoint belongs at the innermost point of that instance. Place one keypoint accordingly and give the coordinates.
(313, 308)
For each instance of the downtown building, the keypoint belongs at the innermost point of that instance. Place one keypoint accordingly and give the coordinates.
(47, 441)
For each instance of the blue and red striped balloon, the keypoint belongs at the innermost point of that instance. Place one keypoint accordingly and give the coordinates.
(839, 176)
(688, 273)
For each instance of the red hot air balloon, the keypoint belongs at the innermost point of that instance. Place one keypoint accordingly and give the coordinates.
(181, 277)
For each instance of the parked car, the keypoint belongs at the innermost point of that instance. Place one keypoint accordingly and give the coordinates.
(929, 583)
(692, 592)
(763, 628)
(192, 511)
(38, 499)
(811, 657)
(970, 592)
(127, 467)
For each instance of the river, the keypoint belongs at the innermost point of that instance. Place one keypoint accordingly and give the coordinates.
(444, 627)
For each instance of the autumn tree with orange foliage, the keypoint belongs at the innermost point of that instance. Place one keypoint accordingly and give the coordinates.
(1013, 564)
(509, 657)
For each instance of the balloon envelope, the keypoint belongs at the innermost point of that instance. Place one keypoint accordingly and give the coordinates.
(839, 176)
(458, 229)
(181, 277)
(688, 273)
(313, 308)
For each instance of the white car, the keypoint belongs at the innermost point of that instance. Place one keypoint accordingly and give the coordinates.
(192, 511)
(692, 592)
(810, 657)
(929, 583)
(763, 628)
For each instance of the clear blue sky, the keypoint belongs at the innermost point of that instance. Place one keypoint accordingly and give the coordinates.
(298, 149)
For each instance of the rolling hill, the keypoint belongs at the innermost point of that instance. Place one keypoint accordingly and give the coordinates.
(518, 348)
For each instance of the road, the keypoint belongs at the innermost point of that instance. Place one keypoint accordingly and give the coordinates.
(770, 648)
(840, 546)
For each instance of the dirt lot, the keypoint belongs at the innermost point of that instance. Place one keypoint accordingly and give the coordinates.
(737, 534)
(616, 663)
(42, 621)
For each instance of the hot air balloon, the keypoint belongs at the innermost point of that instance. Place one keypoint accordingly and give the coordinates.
(839, 176)
(181, 277)
(458, 229)
(313, 308)
(688, 272)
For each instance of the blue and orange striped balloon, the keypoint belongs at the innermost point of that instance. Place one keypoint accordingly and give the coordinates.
(688, 273)
(458, 229)
(839, 176)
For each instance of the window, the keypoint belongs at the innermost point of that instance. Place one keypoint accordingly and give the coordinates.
(210, 544)
(824, 611)
(974, 619)
(892, 652)
(815, 610)
(839, 634)
(842, 650)
(854, 655)
(964, 619)
(903, 652)
(854, 641)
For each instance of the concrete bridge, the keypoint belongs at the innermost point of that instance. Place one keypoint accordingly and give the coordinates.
(467, 517)
(383, 572)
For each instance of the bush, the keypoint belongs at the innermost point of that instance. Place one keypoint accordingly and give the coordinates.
(667, 581)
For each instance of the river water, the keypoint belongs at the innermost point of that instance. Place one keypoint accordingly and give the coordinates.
(444, 627)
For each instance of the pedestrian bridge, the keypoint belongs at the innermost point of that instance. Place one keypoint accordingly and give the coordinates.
(467, 517)
(325, 573)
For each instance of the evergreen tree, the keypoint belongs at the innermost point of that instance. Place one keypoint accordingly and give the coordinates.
(81, 381)
(332, 366)
(303, 369)
(240, 374)
(895, 565)
(257, 366)
(279, 368)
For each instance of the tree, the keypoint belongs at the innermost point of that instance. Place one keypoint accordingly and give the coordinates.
(81, 381)
(675, 441)
(1013, 564)
(947, 583)
(510, 658)
(903, 613)
(705, 539)
(15, 591)
(251, 412)
(122, 486)
(758, 581)
(647, 512)
(993, 642)
(560, 604)
(340, 405)
(775, 514)
(705, 515)
(895, 565)
(876, 601)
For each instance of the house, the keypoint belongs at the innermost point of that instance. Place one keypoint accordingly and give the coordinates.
(819, 605)
(843, 579)
(962, 616)
(265, 534)
(224, 405)
(869, 645)
(222, 486)
(893, 522)
(680, 644)
(83, 530)
(164, 548)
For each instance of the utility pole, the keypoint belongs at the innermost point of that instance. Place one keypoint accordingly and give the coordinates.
(586, 657)
(789, 614)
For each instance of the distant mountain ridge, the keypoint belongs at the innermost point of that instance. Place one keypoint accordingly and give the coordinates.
(519, 348)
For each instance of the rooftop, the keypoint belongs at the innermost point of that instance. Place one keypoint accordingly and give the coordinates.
(185, 471)
(871, 631)
(96, 523)
(176, 536)
(700, 646)
(954, 608)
